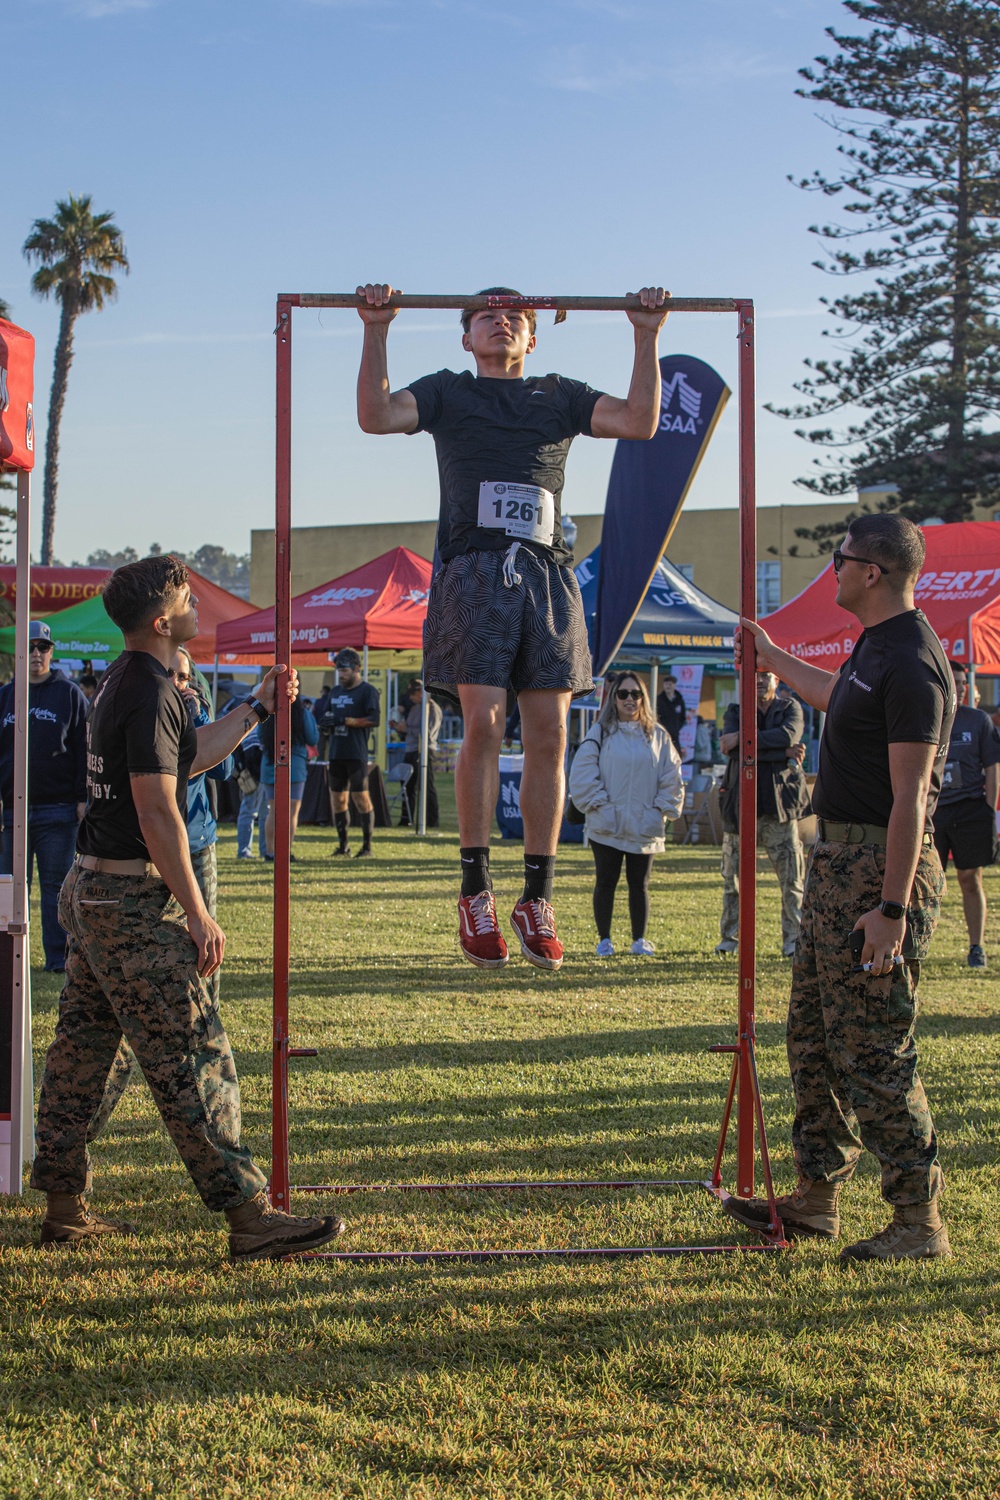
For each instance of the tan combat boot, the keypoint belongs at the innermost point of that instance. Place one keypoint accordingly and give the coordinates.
(68, 1221)
(915, 1233)
(259, 1232)
(810, 1211)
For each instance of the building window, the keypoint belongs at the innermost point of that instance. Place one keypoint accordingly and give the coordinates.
(686, 570)
(768, 587)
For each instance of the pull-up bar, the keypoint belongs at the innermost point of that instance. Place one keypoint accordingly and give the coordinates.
(487, 302)
(744, 1088)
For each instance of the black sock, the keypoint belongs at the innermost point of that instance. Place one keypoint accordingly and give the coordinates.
(538, 872)
(340, 819)
(367, 824)
(475, 871)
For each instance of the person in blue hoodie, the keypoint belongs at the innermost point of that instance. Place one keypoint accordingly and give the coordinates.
(57, 781)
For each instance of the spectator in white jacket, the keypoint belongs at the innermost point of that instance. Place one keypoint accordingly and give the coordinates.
(626, 779)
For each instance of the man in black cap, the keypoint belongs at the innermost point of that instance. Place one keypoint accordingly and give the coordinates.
(57, 780)
(353, 709)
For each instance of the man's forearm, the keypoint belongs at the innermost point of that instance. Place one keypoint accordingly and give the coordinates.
(992, 785)
(217, 740)
(643, 400)
(165, 836)
(903, 844)
(373, 380)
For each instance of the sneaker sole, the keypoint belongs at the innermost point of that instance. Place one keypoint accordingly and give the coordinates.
(484, 963)
(536, 958)
(285, 1249)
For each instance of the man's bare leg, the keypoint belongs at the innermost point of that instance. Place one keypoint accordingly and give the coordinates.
(364, 806)
(477, 783)
(543, 791)
(973, 903)
(543, 783)
(477, 772)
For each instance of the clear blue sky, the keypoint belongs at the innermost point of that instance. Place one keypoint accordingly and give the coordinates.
(246, 148)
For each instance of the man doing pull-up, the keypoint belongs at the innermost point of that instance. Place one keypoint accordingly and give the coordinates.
(504, 608)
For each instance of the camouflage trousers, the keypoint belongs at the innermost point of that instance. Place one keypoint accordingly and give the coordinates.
(851, 1050)
(123, 1068)
(131, 968)
(784, 850)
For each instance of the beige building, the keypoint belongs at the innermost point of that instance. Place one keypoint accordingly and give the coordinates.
(705, 546)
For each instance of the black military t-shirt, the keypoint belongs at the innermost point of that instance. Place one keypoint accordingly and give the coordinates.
(513, 435)
(974, 745)
(138, 724)
(897, 688)
(360, 702)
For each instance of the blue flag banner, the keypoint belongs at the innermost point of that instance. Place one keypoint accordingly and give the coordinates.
(675, 620)
(648, 485)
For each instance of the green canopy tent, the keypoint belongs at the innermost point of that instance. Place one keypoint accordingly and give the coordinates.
(81, 633)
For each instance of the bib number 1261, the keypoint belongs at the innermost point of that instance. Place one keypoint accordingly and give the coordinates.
(519, 510)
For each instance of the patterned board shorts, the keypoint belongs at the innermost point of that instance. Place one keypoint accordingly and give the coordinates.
(528, 632)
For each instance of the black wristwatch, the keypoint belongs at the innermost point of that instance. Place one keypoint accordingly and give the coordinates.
(892, 909)
(263, 714)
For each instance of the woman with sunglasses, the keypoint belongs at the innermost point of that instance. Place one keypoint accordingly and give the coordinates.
(626, 779)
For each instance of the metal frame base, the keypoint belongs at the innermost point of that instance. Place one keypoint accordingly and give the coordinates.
(769, 1240)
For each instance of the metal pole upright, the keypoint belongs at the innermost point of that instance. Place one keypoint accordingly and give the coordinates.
(280, 1177)
(748, 757)
(425, 750)
(22, 1092)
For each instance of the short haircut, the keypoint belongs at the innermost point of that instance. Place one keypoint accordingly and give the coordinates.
(893, 542)
(670, 677)
(139, 592)
(497, 291)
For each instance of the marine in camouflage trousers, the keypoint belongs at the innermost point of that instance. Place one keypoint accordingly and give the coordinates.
(851, 1050)
(123, 1068)
(784, 850)
(131, 968)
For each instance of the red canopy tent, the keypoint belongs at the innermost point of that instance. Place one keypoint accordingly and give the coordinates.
(216, 608)
(54, 588)
(958, 591)
(382, 605)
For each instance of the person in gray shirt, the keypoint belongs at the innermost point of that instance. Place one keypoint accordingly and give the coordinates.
(410, 726)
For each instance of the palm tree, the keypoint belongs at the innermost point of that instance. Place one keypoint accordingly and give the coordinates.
(75, 251)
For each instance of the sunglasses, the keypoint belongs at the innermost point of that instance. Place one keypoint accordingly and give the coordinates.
(43, 646)
(179, 676)
(839, 559)
(624, 693)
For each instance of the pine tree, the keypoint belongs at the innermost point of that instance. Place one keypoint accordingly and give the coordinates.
(919, 191)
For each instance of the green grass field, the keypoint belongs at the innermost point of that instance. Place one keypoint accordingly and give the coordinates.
(154, 1367)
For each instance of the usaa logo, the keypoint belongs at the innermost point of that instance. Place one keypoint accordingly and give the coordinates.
(688, 418)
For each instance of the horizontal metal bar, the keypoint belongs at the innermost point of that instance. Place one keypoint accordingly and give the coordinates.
(475, 302)
(493, 1187)
(600, 1252)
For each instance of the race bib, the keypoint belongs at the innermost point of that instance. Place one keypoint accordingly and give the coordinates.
(522, 510)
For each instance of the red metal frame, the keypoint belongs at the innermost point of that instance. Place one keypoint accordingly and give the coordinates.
(744, 1087)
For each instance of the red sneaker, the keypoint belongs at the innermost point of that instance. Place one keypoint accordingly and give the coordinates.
(535, 924)
(479, 932)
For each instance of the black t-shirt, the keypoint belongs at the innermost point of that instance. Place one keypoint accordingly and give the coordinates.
(360, 702)
(503, 433)
(897, 688)
(138, 724)
(975, 744)
(672, 714)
